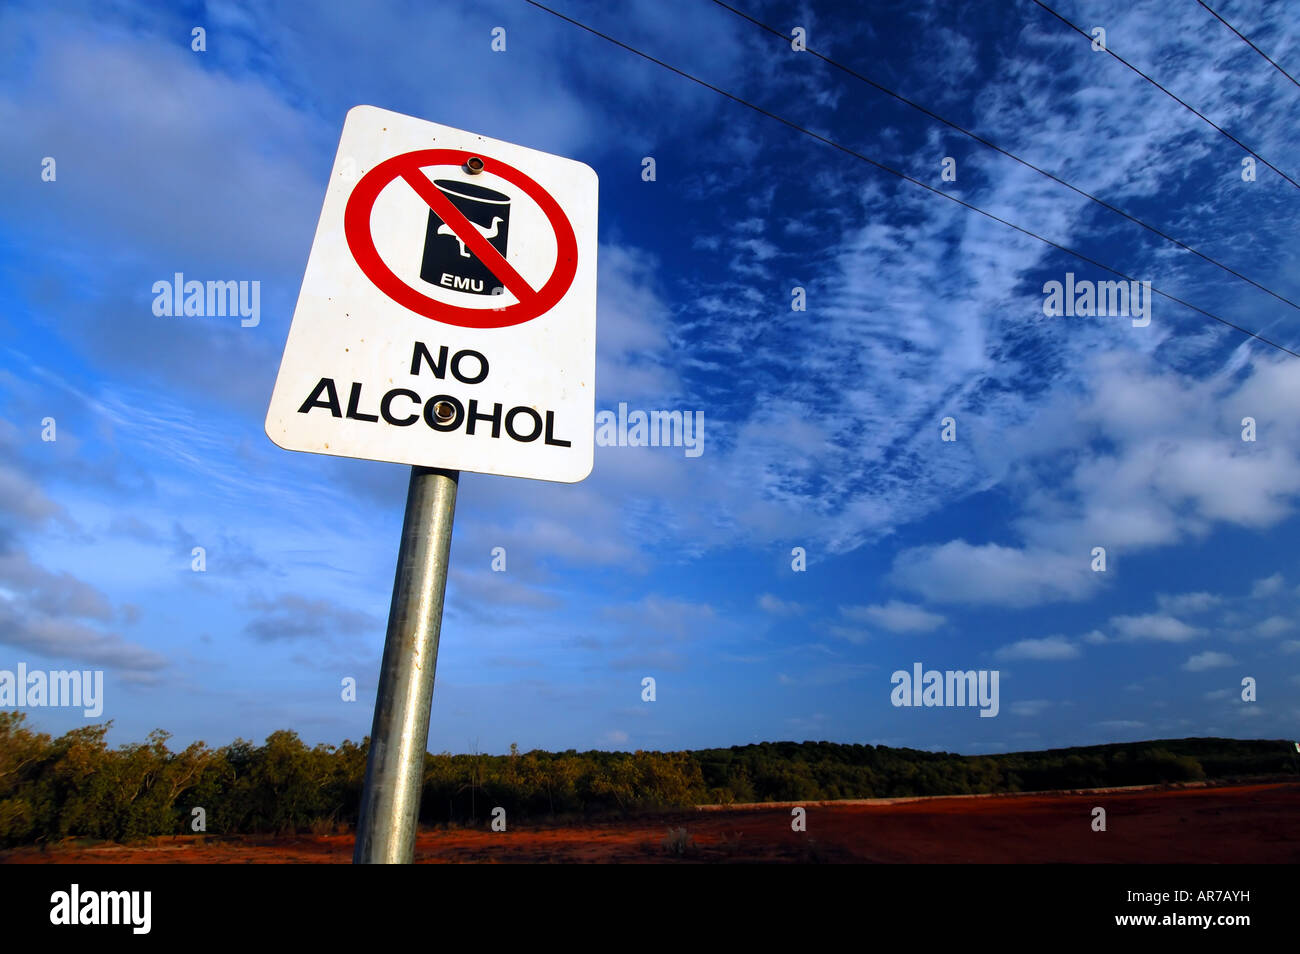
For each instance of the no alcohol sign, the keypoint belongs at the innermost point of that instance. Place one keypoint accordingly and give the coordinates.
(447, 317)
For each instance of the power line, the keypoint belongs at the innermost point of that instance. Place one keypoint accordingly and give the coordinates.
(1010, 155)
(894, 172)
(1180, 102)
(1248, 43)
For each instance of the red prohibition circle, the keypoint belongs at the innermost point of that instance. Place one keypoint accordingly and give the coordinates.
(531, 303)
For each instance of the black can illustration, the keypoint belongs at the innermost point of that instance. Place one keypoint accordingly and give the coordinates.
(447, 262)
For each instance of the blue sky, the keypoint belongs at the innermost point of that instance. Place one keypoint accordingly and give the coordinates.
(822, 428)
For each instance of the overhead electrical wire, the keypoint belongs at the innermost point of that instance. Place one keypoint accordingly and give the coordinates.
(1010, 155)
(901, 175)
(1180, 102)
(1248, 43)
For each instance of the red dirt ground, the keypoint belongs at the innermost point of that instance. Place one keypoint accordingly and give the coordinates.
(1233, 824)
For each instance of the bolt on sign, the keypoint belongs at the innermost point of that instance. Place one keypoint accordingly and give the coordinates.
(447, 317)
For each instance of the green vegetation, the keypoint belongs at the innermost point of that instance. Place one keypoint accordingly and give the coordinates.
(76, 785)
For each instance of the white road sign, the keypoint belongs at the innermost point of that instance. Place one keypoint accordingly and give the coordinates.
(448, 313)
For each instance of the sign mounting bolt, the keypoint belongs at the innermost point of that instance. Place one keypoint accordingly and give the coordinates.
(444, 411)
(473, 165)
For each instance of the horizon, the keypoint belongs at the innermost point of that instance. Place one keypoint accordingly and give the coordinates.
(1286, 744)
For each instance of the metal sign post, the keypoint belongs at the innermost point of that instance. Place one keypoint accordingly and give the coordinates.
(390, 802)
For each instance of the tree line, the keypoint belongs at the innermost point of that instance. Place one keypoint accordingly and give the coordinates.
(75, 785)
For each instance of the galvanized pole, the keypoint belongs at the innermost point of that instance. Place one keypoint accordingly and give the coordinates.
(390, 802)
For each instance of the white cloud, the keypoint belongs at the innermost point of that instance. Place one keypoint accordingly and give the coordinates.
(1208, 660)
(1268, 586)
(959, 572)
(632, 357)
(895, 616)
(1184, 603)
(1168, 476)
(1154, 626)
(1049, 648)
(778, 607)
(1274, 626)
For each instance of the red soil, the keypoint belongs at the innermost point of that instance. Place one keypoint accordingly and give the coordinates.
(1233, 824)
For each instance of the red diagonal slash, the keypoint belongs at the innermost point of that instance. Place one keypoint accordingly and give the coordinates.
(493, 260)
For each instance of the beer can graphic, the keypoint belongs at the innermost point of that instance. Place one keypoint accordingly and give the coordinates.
(447, 262)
